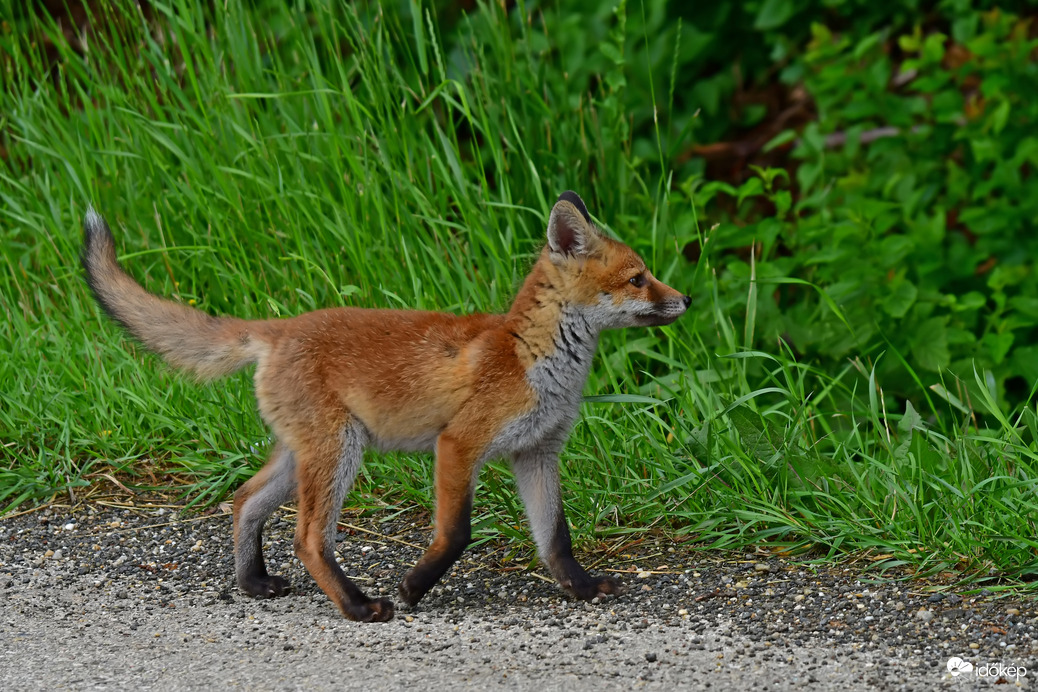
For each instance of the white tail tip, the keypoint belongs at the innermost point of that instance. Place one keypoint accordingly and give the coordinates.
(92, 219)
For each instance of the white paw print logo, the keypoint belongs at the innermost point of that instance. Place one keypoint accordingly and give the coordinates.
(956, 666)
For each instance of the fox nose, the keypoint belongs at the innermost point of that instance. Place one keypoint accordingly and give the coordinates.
(687, 300)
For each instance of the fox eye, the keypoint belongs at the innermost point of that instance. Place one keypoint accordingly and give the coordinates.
(638, 280)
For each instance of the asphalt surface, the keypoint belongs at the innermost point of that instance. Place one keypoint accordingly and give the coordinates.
(113, 596)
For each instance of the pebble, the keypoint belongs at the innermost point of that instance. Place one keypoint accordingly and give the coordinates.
(924, 615)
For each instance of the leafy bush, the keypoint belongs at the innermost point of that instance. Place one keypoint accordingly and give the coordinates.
(916, 206)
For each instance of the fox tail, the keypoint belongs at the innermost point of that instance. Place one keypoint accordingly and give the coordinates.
(187, 338)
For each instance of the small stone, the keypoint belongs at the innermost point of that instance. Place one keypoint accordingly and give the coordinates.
(1012, 611)
(650, 657)
(974, 646)
(49, 553)
(799, 597)
(762, 567)
(924, 615)
(57, 554)
(954, 599)
(644, 575)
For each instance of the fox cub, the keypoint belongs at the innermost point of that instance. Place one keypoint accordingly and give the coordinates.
(333, 382)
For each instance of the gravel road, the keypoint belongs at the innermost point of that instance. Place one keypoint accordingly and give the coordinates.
(143, 597)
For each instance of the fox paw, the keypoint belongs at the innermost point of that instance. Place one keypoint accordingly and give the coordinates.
(265, 586)
(594, 587)
(410, 593)
(380, 610)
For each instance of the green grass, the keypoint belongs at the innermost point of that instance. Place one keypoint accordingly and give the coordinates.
(263, 162)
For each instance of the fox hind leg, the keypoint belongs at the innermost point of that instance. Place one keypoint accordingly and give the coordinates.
(325, 473)
(254, 501)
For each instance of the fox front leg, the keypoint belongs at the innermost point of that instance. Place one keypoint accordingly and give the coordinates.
(455, 482)
(537, 475)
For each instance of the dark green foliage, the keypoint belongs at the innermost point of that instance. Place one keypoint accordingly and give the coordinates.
(924, 233)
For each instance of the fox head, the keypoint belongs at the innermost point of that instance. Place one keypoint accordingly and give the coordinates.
(606, 280)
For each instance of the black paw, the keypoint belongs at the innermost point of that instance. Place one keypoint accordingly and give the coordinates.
(409, 593)
(380, 610)
(593, 587)
(265, 586)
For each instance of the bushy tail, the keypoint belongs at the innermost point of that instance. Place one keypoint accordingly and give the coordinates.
(187, 338)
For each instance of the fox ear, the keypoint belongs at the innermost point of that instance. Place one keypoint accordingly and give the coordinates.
(570, 232)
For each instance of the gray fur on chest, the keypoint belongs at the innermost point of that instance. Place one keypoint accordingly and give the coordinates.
(559, 381)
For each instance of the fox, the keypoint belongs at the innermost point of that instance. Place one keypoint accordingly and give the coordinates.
(468, 388)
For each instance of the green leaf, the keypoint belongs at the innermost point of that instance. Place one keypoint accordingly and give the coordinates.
(897, 302)
(998, 345)
(781, 138)
(974, 300)
(930, 348)
(759, 439)
(773, 14)
(910, 420)
(612, 52)
(700, 442)
(621, 399)
(933, 47)
(1000, 117)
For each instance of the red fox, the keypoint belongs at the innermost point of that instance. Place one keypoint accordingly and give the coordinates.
(332, 382)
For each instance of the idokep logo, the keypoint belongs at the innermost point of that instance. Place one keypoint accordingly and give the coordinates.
(957, 666)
